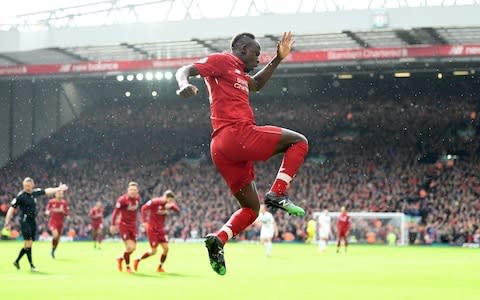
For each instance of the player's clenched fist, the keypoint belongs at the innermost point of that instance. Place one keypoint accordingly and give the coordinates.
(187, 91)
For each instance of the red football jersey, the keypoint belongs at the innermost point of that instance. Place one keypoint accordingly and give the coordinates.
(127, 207)
(157, 213)
(343, 223)
(227, 85)
(58, 210)
(96, 215)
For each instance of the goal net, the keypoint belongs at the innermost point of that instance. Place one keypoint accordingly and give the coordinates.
(370, 227)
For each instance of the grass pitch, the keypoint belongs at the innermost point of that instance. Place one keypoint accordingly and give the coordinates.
(294, 272)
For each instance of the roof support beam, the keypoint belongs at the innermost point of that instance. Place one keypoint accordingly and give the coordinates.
(356, 38)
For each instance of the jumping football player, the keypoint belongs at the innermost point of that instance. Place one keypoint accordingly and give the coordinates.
(237, 142)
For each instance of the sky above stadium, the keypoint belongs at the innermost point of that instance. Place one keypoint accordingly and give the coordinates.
(213, 8)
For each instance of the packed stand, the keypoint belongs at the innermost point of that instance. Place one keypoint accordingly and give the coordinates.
(373, 154)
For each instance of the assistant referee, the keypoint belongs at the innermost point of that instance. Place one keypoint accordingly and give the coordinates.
(26, 201)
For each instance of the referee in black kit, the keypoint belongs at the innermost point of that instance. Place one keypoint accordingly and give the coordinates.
(26, 201)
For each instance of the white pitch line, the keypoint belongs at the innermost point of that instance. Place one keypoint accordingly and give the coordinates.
(35, 277)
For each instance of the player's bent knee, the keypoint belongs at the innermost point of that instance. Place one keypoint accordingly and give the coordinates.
(302, 139)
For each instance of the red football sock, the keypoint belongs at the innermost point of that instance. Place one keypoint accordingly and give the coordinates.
(292, 160)
(126, 257)
(55, 243)
(145, 255)
(163, 258)
(237, 223)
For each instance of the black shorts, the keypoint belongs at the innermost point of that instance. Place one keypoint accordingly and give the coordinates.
(29, 230)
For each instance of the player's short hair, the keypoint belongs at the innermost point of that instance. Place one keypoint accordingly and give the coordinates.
(28, 179)
(169, 194)
(241, 39)
(133, 183)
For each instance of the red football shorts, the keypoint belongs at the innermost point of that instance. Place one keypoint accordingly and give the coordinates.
(342, 234)
(156, 237)
(127, 233)
(236, 147)
(58, 227)
(97, 226)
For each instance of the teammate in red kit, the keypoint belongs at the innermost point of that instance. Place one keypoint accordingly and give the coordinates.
(343, 228)
(57, 209)
(127, 207)
(96, 216)
(237, 142)
(157, 209)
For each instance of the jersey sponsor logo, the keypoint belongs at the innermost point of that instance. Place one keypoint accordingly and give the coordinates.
(241, 84)
(58, 209)
(132, 206)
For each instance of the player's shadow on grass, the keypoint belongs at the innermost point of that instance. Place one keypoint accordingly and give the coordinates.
(66, 259)
(37, 273)
(167, 274)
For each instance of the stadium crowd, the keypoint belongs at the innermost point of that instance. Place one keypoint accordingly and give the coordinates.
(379, 153)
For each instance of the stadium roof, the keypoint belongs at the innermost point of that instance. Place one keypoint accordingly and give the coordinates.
(43, 14)
(201, 47)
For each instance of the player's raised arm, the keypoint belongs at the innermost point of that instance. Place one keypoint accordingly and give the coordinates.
(173, 206)
(185, 89)
(52, 191)
(284, 46)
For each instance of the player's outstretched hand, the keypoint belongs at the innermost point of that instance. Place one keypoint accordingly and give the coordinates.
(63, 187)
(284, 46)
(187, 91)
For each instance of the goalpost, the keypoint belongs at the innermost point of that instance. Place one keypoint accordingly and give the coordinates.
(371, 227)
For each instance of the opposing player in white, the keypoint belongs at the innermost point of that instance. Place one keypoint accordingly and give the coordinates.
(268, 230)
(323, 230)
